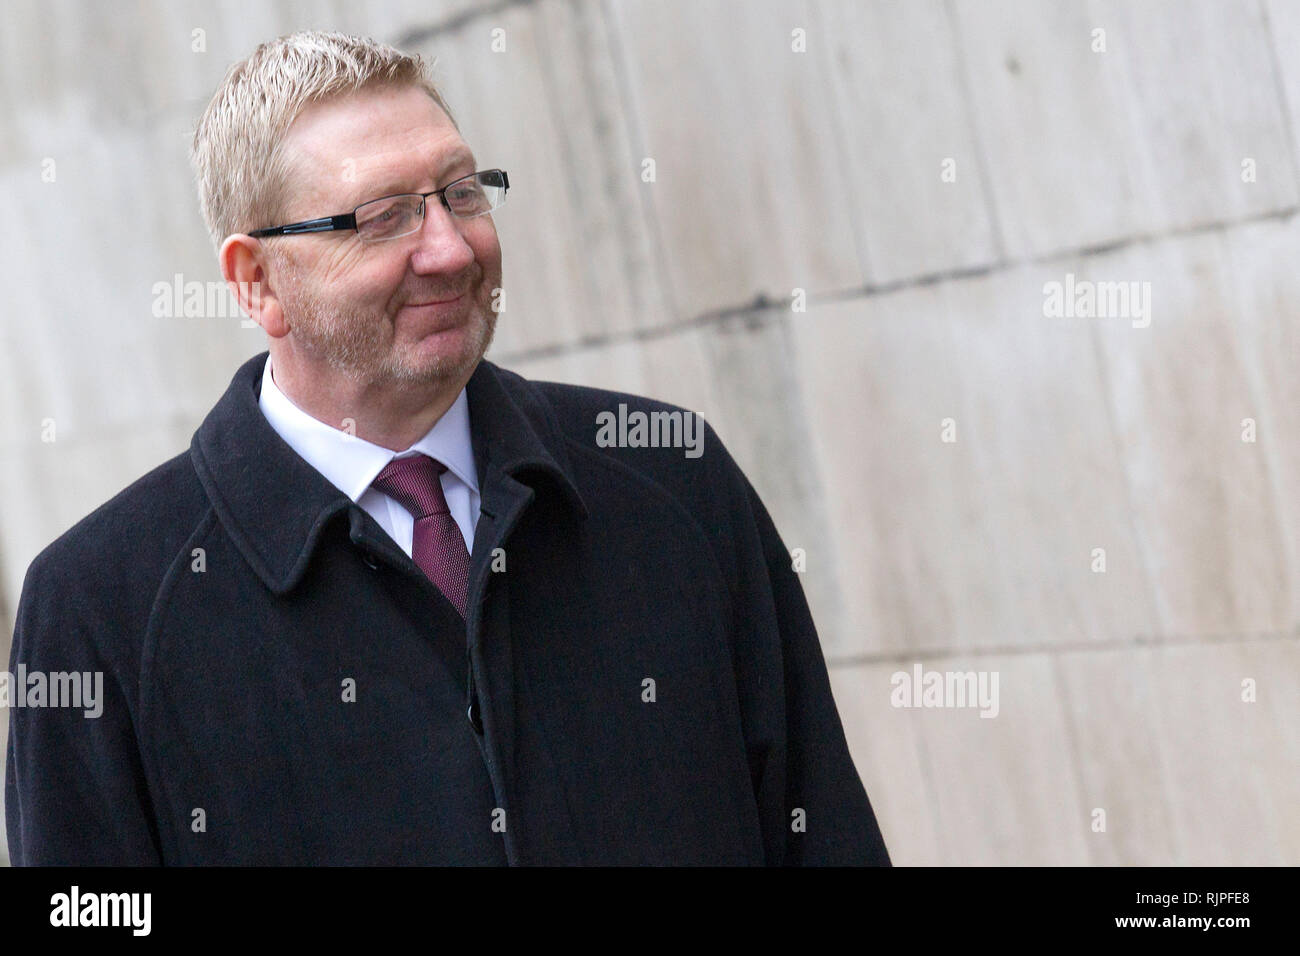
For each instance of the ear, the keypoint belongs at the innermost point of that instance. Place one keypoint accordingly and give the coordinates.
(245, 266)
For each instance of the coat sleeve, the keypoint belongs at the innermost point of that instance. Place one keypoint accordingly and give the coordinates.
(74, 785)
(812, 804)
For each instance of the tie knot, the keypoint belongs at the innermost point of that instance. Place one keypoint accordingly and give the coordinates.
(414, 483)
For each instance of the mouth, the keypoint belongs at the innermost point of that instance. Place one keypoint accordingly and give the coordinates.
(442, 315)
(421, 305)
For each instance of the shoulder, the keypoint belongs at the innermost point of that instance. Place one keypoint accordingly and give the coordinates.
(666, 443)
(107, 566)
(627, 451)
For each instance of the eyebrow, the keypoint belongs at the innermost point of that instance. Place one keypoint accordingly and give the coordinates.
(388, 187)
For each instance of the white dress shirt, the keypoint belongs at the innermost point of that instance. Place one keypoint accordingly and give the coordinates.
(352, 463)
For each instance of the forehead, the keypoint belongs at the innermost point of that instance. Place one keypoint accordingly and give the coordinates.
(351, 146)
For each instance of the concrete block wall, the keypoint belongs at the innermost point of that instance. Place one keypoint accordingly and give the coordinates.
(841, 262)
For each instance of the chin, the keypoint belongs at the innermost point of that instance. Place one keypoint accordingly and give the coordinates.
(448, 354)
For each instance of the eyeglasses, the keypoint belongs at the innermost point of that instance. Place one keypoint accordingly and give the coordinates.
(392, 217)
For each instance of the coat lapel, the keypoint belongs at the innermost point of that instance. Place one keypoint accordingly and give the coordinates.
(275, 505)
(271, 502)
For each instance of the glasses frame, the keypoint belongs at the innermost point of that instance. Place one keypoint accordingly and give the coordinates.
(348, 220)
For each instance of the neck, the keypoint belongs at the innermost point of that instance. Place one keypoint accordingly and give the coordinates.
(392, 415)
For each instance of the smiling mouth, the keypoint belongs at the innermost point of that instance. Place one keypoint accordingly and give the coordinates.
(416, 305)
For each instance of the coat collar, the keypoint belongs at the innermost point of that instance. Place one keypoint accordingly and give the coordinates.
(274, 505)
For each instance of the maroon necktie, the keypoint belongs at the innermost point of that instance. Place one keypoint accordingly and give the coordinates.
(437, 546)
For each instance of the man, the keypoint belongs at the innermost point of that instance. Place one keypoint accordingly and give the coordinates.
(397, 604)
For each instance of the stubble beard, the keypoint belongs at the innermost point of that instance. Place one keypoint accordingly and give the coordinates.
(360, 347)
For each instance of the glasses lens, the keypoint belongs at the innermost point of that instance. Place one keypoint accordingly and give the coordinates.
(388, 218)
(396, 216)
(476, 194)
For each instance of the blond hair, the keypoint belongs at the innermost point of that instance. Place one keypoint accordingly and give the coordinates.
(237, 150)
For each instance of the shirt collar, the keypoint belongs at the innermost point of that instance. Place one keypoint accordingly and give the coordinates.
(352, 464)
(275, 507)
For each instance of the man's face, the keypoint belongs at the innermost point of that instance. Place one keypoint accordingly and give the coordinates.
(362, 308)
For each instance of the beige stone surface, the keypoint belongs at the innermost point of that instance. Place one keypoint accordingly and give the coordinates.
(1190, 774)
(954, 788)
(743, 136)
(1263, 285)
(1085, 148)
(986, 540)
(579, 261)
(1159, 739)
(900, 123)
(1204, 502)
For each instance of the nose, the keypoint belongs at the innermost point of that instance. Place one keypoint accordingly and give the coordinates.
(441, 245)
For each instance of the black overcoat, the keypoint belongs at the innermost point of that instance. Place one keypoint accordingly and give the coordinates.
(639, 680)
